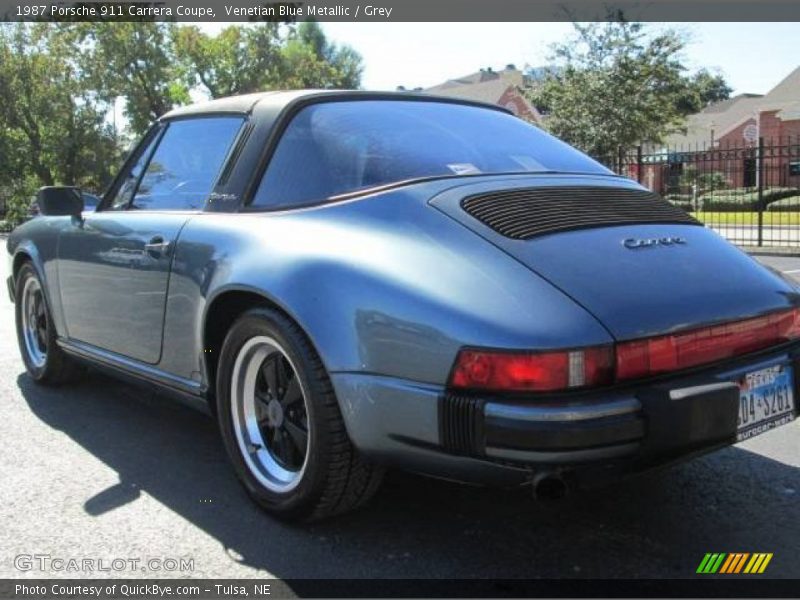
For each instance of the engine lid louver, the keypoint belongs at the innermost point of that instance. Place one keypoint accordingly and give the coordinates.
(525, 213)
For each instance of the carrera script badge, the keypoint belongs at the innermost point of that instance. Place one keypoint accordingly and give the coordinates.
(636, 244)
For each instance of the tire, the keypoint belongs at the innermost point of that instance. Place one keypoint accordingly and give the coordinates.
(272, 386)
(44, 360)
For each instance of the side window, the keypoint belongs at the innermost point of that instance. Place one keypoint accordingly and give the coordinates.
(184, 167)
(124, 193)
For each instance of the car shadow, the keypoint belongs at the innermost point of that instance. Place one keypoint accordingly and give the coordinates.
(657, 525)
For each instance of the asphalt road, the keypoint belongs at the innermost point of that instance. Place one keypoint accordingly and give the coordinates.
(104, 471)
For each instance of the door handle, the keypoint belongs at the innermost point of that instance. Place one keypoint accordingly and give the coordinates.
(157, 246)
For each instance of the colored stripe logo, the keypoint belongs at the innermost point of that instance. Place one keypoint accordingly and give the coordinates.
(734, 563)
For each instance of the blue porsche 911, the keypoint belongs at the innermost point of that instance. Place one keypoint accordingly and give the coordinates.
(350, 280)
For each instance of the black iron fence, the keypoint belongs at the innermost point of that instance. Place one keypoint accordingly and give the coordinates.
(749, 193)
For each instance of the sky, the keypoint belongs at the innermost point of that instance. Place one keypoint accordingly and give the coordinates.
(753, 57)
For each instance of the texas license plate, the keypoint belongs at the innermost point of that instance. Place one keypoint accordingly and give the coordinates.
(766, 401)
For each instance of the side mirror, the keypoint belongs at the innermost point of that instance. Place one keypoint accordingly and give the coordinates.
(60, 201)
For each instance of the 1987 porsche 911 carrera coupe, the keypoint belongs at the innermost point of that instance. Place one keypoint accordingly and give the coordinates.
(351, 280)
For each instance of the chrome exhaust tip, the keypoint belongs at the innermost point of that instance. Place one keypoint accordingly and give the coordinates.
(549, 486)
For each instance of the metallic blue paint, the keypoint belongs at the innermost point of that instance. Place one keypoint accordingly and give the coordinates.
(643, 291)
(388, 287)
(111, 283)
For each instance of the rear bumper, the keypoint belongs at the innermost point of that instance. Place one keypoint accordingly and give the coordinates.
(508, 441)
(647, 428)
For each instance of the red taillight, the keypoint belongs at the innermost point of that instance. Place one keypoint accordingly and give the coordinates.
(532, 372)
(566, 369)
(640, 358)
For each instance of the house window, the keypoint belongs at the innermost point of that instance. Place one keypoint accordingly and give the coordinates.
(794, 168)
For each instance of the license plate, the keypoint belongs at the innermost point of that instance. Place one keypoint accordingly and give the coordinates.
(766, 401)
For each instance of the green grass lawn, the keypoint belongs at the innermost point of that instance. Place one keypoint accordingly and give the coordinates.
(748, 218)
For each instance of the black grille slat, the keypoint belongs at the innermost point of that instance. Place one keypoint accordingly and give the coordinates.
(529, 212)
(461, 424)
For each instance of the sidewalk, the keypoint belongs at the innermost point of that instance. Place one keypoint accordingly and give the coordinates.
(771, 250)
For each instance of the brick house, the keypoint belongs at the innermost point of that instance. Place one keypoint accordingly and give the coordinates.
(504, 88)
(724, 138)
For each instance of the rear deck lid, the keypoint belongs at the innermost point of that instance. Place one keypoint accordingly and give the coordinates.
(641, 266)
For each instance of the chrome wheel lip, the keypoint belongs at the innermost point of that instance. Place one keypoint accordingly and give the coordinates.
(253, 447)
(33, 310)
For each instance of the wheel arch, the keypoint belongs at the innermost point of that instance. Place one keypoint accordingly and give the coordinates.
(27, 253)
(222, 311)
(31, 248)
(38, 248)
(20, 258)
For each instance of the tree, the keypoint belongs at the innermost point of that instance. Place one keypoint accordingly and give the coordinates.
(617, 84)
(311, 61)
(268, 56)
(135, 60)
(239, 60)
(703, 89)
(59, 83)
(53, 128)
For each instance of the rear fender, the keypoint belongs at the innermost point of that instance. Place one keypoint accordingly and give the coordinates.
(389, 287)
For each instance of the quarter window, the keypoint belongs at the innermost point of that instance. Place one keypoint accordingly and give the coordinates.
(184, 167)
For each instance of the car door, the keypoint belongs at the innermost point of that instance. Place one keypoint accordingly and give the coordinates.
(114, 265)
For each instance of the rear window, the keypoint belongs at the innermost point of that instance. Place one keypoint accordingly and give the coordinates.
(334, 148)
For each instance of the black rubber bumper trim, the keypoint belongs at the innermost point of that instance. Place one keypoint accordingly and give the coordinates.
(668, 425)
(688, 422)
(461, 424)
(674, 420)
(559, 436)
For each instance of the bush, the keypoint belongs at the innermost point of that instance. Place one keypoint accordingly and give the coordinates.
(740, 203)
(678, 198)
(704, 181)
(743, 199)
(17, 210)
(683, 201)
(790, 204)
(18, 201)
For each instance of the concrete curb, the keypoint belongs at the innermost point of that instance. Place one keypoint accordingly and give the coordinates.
(771, 250)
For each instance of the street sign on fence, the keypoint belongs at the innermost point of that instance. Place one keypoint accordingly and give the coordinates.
(750, 133)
